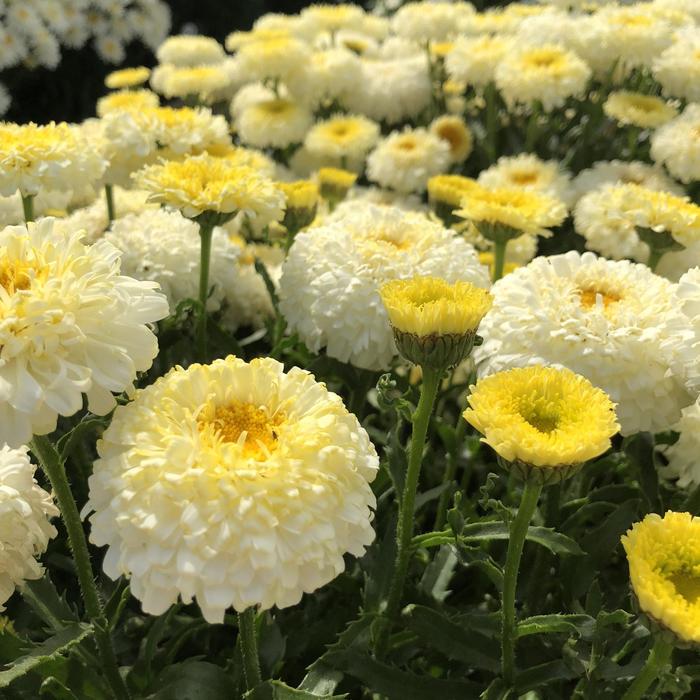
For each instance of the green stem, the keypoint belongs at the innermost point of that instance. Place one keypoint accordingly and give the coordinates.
(632, 136)
(28, 207)
(205, 235)
(109, 197)
(491, 122)
(654, 256)
(499, 259)
(532, 129)
(450, 472)
(51, 463)
(516, 541)
(659, 656)
(404, 526)
(249, 648)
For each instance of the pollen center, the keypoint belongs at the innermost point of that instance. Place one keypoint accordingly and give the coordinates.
(542, 422)
(16, 276)
(525, 177)
(245, 424)
(589, 297)
(686, 585)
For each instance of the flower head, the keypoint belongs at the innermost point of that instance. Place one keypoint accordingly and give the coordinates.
(277, 123)
(190, 50)
(205, 183)
(126, 100)
(70, 324)
(234, 483)
(542, 417)
(676, 145)
(664, 560)
(455, 132)
(343, 138)
(644, 111)
(206, 82)
(434, 322)
(127, 77)
(335, 183)
(301, 203)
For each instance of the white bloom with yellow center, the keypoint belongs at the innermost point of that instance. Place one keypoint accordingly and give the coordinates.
(205, 82)
(273, 123)
(342, 139)
(392, 89)
(405, 160)
(235, 484)
(683, 463)
(330, 280)
(331, 18)
(25, 510)
(610, 172)
(644, 111)
(70, 324)
(453, 130)
(529, 172)
(548, 74)
(677, 69)
(430, 21)
(604, 320)
(162, 246)
(275, 57)
(676, 145)
(190, 50)
(473, 60)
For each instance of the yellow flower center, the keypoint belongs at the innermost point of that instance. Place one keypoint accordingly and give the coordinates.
(543, 423)
(406, 144)
(247, 425)
(590, 295)
(543, 58)
(524, 177)
(17, 275)
(452, 134)
(686, 584)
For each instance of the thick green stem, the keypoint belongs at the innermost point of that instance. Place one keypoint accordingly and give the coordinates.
(109, 197)
(450, 472)
(654, 256)
(533, 128)
(491, 97)
(28, 207)
(51, 463)
(516, 541)
(499, 259)
(659, 656)
(404, 526)
(249, 648)
(205, 234)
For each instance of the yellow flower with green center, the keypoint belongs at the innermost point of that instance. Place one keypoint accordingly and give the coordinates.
(644, 111)
(664, 560)
(434, 322)
(445, 193)
(335, 183)
(302, 201)
(127, 77)
(205, 183)
(127, 101)
(542, 419)
(510, 211)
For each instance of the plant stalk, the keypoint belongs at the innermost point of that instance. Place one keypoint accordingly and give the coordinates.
(659, 656)
(249, 648)
(205, 235)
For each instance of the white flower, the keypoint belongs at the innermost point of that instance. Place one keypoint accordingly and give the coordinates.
(342, 139)
(610, 172)
(528, 171)
(254, 487)
(185, 50)
(274, 123)
(391, 90)
(424, 21)
(25, 530)
(473, 60)
(274, 57)
(602, 319)
(330, 280)
(206, 82)
(683, 460)
(71, 325)
(163, 246)
(405, 160)
(678, 67)
(676, 145)
(547, 73)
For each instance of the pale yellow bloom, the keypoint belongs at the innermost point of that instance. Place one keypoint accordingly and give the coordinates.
(127, 77)
(645, 111)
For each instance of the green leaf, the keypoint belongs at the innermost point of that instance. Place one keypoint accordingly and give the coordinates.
(57, 645)
(451, 639)
(54, 689)
(388, 680)
(438, 574)
(193, 680)
(88, 423)
(556, 542)
(432, 539)
(47, 603)
(640, 450)
(546, 673)
(583, 625)
(269, 284)
(276, 690)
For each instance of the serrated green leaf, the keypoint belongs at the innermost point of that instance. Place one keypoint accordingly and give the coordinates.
(57, 645)
(541, 675)
(393, 682)
(54, 689)
(438, 574)
(193, 680)
(277, 690)
(47, 603)
(453, 640)
(583, 625)
(556, 542)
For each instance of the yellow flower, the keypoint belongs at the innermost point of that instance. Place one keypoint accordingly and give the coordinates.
(204, 183)
(302, 201)
(664, 560)
(456, 133)
(126, 100)
(542, 420)
(334, 183)
(434, 322)
(511, 211)
(206, 82)
(239, 156)
(640, 110)
(127, 77)
(445, 193)
(343, 137)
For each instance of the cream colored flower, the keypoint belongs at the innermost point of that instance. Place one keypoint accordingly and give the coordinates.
(454, 131)
(473, 60)
(678, 67)
(342, 139)
(644, 111)
(274, 123)
(205, 82)
(676, 145)
(430, 21)
(25, 510)
(72, 325)
(235, 484)
(190, 50)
